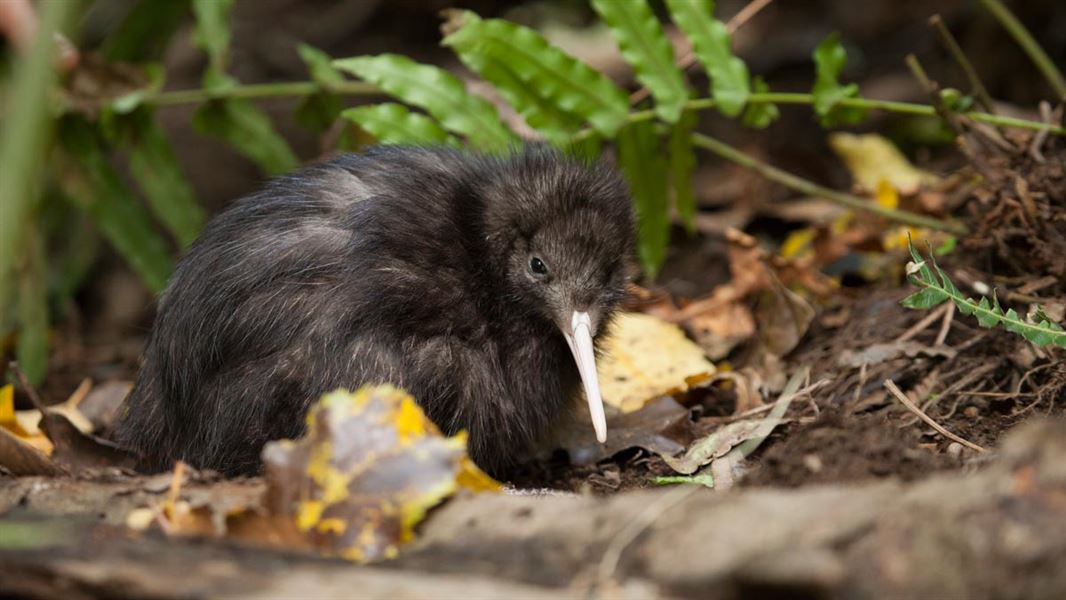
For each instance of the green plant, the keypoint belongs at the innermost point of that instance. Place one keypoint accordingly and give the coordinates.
(89, 142)
(937, 288)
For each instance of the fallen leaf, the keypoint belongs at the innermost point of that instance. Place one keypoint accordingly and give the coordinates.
(872, 159)
(102, 404)
(367, 471)
(645, 357)
(662, 426)
(22, 424)
(879, 353)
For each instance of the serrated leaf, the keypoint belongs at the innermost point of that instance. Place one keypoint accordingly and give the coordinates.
(212, 29)
(436, 91)
(760, 115)
(95, 187)
(713, 47)
(829, 60)
(682, 166)
(154, 166)
(644, 167)
(545, 71)
(242, 125)
(937, 288)
(925, 298)
(643, 44)
(393, 124)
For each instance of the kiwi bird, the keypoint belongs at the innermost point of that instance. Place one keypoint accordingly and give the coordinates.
(478, 283)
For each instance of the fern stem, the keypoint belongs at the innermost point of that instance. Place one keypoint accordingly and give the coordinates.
(1036, 54)
(810, 188)
(260, 90)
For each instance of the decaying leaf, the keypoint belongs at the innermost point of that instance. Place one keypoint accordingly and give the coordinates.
(735, 441)
(645, 357)
(873, 159)
(367, 471)
(879, 353)
(662, 426)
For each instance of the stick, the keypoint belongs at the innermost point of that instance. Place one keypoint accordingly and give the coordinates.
(956, 52)
(892, 387)
(812, 189)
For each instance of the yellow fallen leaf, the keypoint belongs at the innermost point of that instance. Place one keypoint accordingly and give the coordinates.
(645, 357)
(872, 158)
(886, 196)
(22, 423)
(370, 467)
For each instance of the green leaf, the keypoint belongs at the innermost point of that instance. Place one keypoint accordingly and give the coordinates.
(212, 29)
(436, 91)
(540, 113)
(714, 49)
(32, 348)
(242, 125)
(544, 71)
(95, 187)
(154, 166)
(319, 111)
(760, 115)
(829, 60)
(644, 166)
(925, 298)
(393, 124)
(645, 47)
(937, 288)
(682, 165)
(319, 64)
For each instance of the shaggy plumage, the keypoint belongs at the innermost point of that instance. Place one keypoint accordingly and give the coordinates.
(412, 266)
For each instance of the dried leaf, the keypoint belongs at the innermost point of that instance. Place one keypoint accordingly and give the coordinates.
(873, 160)
(367, 471)
(662, 426)
(644, 358)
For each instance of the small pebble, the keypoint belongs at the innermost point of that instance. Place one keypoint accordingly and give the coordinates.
(955, 449)
(971, 412)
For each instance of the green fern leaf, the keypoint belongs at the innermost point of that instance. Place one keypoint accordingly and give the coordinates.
(829, 60)
(682, 166)
(542, 70)
(730, 87)
(760, 115)
(645, 47)
(438, 92)
(393, 124)
(644, 166)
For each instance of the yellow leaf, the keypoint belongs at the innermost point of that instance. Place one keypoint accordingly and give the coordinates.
(367, 472)
(7, 406)
(886, 194)
(872, 158)
(798, 242)
(645, 357)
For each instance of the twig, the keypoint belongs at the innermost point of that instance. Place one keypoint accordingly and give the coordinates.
(260, 90)
(953, 48)
(689, 58)
(921, 325)
(643, 520)
(27, 387)
(894, 389)
(945, 327)
(812, 189)
(1036, 54)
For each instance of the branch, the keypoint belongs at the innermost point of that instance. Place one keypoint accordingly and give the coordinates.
(1036, 54)
(810, 188)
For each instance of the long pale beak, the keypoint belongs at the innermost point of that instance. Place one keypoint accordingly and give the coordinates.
(580, 339)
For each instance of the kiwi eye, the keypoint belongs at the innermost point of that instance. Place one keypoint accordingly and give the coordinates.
(537, 266)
